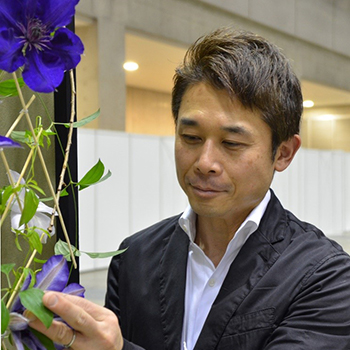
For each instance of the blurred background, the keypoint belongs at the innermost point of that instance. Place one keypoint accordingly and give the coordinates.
(134, 134)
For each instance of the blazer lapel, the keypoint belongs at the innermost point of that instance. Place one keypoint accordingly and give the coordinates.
(172, 272)
(243, 275)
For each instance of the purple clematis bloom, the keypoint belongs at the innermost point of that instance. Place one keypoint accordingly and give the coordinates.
(32, 34)
(53, 276)
(6, 142)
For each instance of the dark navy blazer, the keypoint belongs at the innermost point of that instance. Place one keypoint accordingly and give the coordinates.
(288, 289)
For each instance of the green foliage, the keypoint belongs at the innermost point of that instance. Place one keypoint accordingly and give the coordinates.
(8, 87)
(30, 207)
(32, 301)
(84, 121)
(34, 241)
(5, 317)
(62, 248)
(5, 194)
(27, 137)
(94, 176)
(7, 268)
(47, 343)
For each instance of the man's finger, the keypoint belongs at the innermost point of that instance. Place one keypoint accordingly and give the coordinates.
(95, 311)
(59, 332)
(71, 312)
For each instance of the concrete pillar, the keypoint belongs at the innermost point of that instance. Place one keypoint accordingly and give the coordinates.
(112, 89)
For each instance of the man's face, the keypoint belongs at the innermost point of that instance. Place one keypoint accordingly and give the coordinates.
(223, 154)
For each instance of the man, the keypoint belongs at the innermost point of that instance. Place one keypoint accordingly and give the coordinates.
(235, 270)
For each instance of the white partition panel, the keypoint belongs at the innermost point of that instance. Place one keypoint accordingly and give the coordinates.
(172, 198)
(112, 195)
(143, 189)
(312, 193)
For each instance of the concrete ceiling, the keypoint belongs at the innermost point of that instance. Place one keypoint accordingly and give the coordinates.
(157, 61)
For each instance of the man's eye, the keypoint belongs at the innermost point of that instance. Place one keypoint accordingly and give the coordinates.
(231, 144)
(190, 138)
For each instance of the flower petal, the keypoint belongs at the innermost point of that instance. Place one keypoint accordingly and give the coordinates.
(43, 208)
(67, 46)
(41, 221)
(74, 289)
(15, 218)
(17, 339)
(11, 57)
(11, 13)
(6, 142)
(31, 341)
(15, 177)
(42, 73)
(57, 13)
(18, 322)
(54, 275)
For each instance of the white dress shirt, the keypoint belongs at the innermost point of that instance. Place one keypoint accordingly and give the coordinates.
(203, 280)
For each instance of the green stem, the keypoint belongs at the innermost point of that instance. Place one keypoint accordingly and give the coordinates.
(45, 171)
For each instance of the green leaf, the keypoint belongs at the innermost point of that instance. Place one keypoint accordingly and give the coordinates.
(63, 193)
(31, 202)
(5, 317)
(61, 248)
(31, 299)
(84, 121)
(19, 136)
(104, 178)
(37, 188)
(26, 272)
(7, 268)
(40, 261)
(44, 340)
(8, 87)
(92, 176)
(5, 194)
(104, 254)
(17, 244)
(34, 241)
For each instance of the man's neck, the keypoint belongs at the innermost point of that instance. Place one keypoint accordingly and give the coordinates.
(213, 237)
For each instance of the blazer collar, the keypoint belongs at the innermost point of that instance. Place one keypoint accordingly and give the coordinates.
(172, 273)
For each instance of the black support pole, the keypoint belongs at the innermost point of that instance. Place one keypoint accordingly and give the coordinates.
(68, 204)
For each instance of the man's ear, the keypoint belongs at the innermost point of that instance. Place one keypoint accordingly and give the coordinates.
(286, 152)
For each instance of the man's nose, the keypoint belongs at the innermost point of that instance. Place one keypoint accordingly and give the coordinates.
(208, 161)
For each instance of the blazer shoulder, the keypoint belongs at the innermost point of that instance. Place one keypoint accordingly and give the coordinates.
(151, 239)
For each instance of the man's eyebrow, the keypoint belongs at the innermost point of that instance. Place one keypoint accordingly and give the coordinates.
(240, 130)
(188, 122)
(236, 130)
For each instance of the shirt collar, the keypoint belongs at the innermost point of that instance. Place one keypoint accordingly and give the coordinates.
(187, 221)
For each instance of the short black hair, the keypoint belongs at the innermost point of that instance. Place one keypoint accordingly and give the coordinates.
(249, 68)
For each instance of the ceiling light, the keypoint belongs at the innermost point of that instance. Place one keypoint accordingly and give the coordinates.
(130, 66)
(308, 103)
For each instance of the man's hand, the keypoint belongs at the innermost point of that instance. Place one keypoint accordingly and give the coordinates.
(97, 328)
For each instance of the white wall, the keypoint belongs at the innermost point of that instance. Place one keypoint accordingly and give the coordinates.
(143, 189)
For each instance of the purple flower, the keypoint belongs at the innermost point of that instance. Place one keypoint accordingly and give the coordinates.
(6, 142)
(53, 276)
(32, 34)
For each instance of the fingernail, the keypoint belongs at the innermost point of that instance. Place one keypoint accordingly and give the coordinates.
(29, 315)
(51, 300)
